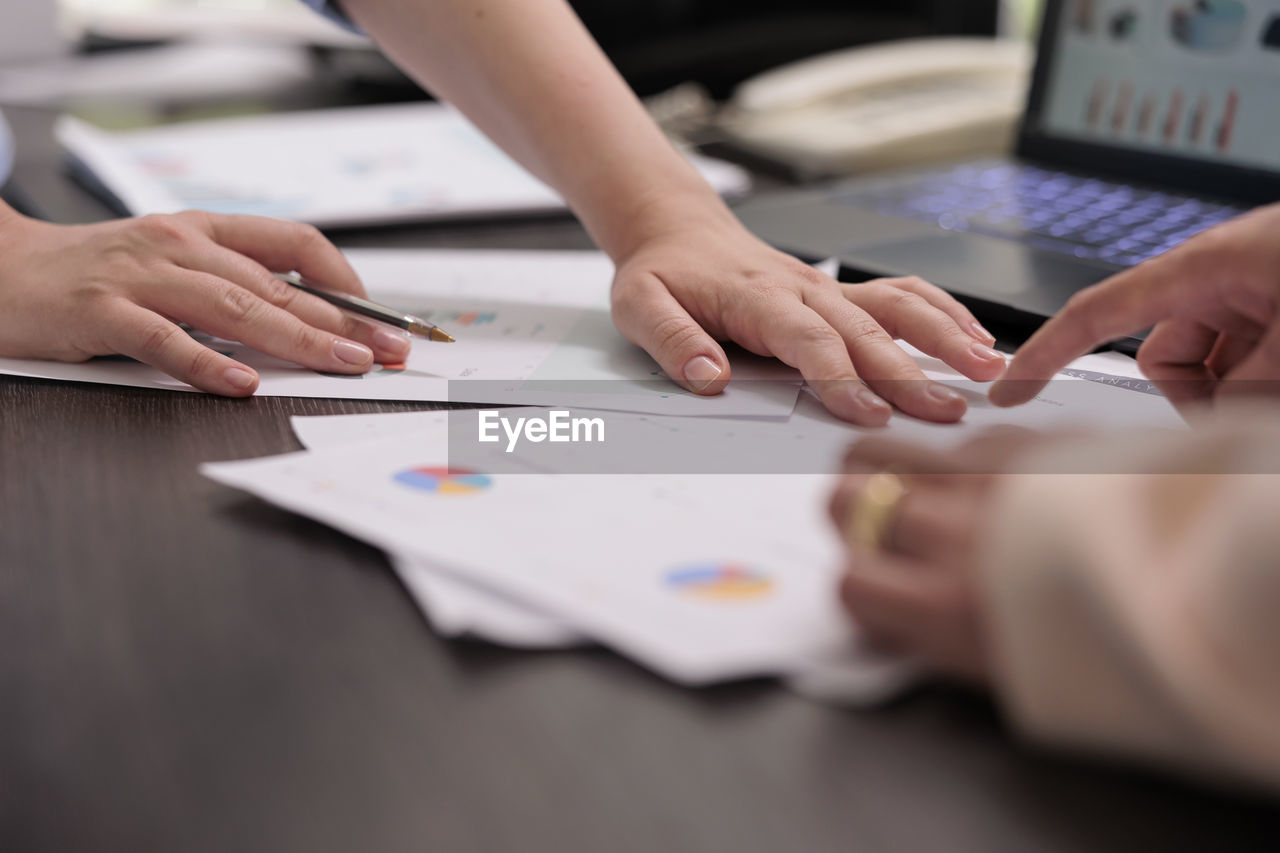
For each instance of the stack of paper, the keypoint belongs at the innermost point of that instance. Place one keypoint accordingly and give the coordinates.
(699, 576)
(339, 167)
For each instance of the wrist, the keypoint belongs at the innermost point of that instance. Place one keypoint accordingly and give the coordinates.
(655, 213)
(12, 226)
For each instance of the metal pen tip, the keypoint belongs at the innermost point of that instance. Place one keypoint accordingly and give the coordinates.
(432, 331)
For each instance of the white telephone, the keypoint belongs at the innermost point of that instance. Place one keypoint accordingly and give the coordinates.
(883, 106)
(6, 151)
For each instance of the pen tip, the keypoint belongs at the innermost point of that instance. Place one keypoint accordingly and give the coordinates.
(431, 331)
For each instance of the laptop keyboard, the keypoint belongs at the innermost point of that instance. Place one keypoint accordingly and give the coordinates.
(1075, 215)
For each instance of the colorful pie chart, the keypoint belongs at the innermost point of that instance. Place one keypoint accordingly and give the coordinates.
(444, 481)
(720, 582)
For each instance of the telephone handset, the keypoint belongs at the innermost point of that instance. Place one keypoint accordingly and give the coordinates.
(884, 105)
(6, 151)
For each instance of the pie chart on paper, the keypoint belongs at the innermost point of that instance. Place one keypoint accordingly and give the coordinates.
(443, 480)
(720, 582)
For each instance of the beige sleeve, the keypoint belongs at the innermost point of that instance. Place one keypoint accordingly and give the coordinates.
(1134, 604)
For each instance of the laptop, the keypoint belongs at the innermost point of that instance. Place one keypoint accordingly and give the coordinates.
(1145, 124)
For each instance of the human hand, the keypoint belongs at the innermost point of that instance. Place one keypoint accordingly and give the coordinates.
(682, 290)
(69, 293)
(1214, 303)
(916, 590)
(688, 273)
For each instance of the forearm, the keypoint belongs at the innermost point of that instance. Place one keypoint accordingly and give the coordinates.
(528, 74)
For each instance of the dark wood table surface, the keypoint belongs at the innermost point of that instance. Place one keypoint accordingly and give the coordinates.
(184, 668)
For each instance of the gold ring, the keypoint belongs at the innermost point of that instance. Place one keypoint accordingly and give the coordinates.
(871, 510)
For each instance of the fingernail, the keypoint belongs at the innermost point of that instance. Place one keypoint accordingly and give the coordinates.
(701, 372)
(239, 378)
(352, 352)
(977, 330)
(391, 342)
(942, 394)
(986, 353)
(870, 403)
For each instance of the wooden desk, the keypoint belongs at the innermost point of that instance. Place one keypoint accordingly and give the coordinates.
(183, 668)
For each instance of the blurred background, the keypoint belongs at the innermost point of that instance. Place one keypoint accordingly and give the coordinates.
(126, 64)
(656, 44)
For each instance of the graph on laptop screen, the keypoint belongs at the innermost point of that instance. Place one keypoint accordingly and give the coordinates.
(1196, 79)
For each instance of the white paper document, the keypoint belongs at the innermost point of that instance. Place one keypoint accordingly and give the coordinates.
(532, 328)
(699, 578)
(189, 72)
(377, 165)
(750, 509)
(811, 440)
(454, 606)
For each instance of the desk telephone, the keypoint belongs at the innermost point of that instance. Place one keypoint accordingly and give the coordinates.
(6, 151)
(883, 106)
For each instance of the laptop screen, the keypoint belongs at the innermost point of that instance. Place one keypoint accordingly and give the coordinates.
(1189, 79)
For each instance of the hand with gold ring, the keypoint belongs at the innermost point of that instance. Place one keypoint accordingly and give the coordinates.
(871, 510)
(914, 519)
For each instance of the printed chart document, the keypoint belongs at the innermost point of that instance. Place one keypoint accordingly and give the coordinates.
(377, 165)
(531, 327)
(1098, 391)
(455, 607)
(700, 576)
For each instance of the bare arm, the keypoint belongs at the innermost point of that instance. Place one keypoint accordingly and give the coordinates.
(688, 274)
(530, 76)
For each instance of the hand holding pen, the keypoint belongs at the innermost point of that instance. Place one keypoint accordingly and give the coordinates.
(124, 288)
(367, 308)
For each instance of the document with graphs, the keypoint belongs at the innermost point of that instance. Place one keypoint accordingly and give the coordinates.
(703, 524)
(699, 577)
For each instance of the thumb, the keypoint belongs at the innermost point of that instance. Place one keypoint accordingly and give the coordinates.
(646, 314)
